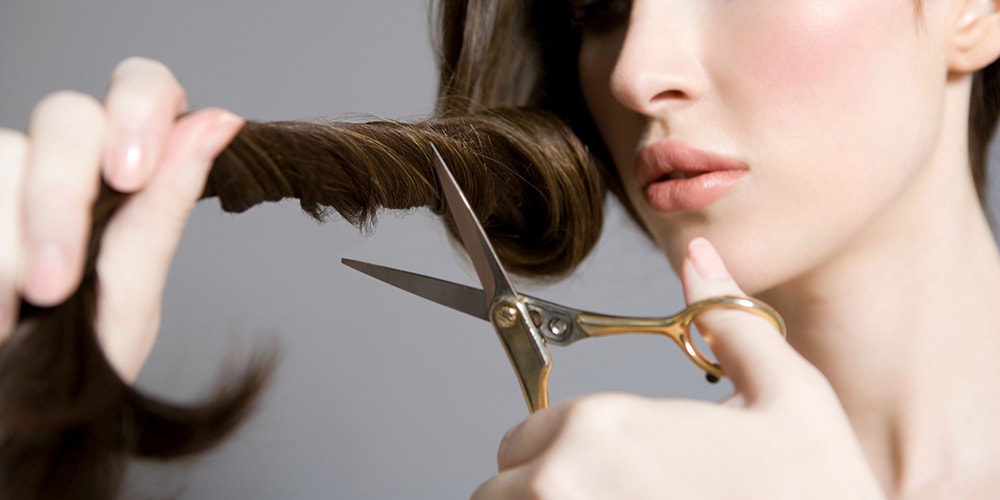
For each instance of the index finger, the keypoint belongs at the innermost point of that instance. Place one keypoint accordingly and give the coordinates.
(143, 101)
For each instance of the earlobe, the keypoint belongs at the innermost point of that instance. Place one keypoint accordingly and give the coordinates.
(976, 39)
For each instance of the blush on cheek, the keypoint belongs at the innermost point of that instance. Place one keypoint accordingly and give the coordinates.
(809, 46)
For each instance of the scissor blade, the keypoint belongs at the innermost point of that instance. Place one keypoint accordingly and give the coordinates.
(484, 258)
(471, 301)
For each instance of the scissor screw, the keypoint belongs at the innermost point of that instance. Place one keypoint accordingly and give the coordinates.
(557, 326)
(506, 316)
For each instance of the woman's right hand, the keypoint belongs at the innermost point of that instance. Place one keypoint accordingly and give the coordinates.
(49, 179)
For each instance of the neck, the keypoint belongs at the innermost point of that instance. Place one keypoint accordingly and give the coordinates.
(905, 328)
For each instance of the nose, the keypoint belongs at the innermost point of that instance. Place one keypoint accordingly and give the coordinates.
(658, 67)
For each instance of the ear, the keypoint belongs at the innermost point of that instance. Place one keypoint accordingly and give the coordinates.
(976, 35)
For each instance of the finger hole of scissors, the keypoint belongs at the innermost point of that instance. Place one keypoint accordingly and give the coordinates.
(697, 348)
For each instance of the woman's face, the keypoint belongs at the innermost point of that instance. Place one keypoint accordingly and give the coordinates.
(784, 131)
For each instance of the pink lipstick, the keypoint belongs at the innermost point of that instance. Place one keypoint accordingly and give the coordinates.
(676, 177)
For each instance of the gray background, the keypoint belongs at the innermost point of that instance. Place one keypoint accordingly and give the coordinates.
(379, 394)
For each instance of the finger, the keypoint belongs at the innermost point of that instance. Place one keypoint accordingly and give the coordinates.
(140, 241)
(60, 184)
(13, 161)
(543, 480)
(143, 100)
(536, 434)
(748, 347)
(512, 483)
(530, 438)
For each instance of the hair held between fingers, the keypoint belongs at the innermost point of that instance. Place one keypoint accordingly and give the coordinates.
(64, 408)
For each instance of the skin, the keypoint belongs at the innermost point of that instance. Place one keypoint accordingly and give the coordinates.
(50, 175)
(858, 220)
(810, 95)
(807, 93)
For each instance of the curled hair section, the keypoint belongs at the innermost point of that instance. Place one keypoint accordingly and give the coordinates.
(69, 423)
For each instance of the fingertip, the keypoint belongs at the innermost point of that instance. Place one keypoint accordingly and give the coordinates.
(706, 261)
(197, 139)
(704, 274)
(514, 483)
(65, 106)
(224, 127)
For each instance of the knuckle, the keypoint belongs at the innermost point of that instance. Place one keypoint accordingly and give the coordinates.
(50, 195)
(56, 203)
(139, 65)
(595, 411)
(548, 480)
(504, 460)
(67, 106)
(58, 195)
(145, 87)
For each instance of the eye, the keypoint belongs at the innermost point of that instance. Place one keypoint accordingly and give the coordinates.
(599, 15)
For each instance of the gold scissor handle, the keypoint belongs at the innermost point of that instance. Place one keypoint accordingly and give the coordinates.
(525, 349)
(678, 326)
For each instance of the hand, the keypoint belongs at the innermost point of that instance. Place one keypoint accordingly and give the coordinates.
(49, 180)
(784, 433)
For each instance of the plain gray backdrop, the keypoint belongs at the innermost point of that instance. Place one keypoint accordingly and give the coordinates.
(379, 394)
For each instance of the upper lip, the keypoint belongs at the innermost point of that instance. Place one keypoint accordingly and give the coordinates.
(672, 158)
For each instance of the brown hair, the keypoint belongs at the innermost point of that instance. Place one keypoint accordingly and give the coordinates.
(983, 113)
(524, 53)
(69, 422)
(512, 125)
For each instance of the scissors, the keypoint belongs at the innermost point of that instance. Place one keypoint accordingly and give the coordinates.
(524, 324)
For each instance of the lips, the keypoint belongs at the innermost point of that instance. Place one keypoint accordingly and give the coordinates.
(676, 177)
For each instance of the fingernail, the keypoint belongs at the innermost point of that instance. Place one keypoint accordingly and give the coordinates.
(706, 261)
(219, 134)
(129, 162)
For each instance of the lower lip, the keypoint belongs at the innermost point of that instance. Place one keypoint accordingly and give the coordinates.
(678, 195)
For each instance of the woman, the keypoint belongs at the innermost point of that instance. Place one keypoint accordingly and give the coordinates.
(823, 150)
(853, 211)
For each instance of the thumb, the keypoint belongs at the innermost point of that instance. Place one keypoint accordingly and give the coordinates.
(749, 348)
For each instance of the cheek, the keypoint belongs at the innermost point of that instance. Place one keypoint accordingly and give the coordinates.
(829, 86)
(813, 58)
(816, 58)
(792, 48)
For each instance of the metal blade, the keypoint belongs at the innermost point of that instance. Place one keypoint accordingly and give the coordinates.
(471, 301)
(484, 258)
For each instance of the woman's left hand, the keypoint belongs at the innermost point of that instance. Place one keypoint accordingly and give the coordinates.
(783, 434)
